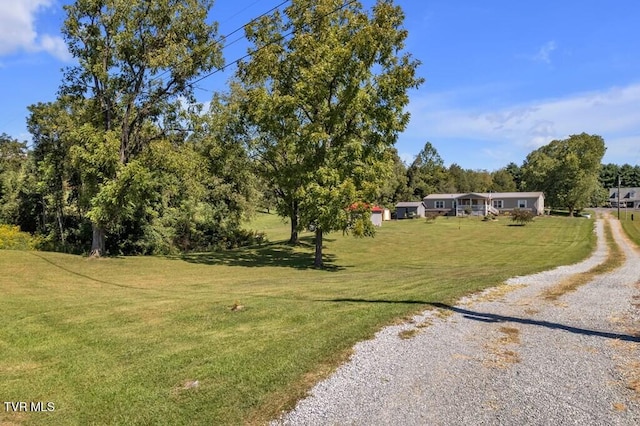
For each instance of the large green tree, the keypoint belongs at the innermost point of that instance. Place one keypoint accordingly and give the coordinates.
(567, 171)
(136, 60)
(395, 188)
(13, 158)
(427, 172)
(326, 89)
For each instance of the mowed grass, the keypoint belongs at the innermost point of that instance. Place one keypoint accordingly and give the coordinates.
(631, 227)
(121, 340)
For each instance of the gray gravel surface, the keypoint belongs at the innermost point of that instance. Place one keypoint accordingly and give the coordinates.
(504, 357)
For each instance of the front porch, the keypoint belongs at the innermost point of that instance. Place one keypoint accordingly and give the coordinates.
(474, 205)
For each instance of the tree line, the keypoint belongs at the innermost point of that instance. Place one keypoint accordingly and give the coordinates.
(568, 171)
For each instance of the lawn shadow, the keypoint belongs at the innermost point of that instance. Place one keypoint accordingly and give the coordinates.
(494, 318)
(277, 254)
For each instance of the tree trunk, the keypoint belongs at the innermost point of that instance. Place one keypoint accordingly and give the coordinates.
(294, 223)
(318, 259)
(97, 243)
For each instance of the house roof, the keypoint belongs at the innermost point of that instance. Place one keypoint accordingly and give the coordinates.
(409, 204)
(625, 193)
(441, 196)
(485, 195)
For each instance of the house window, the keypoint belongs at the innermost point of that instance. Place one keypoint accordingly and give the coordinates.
(439, 204)
(498, 204)
(522, 204)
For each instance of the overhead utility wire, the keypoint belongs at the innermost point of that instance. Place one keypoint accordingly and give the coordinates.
(104, 110)
(223, 38)
(267, 45)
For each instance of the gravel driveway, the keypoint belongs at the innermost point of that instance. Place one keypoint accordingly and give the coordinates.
(504, 357)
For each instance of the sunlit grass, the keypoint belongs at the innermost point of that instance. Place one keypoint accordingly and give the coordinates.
(615, 259)
(117, 340)
(631, 227)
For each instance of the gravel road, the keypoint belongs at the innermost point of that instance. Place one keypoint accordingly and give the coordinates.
(504, 357)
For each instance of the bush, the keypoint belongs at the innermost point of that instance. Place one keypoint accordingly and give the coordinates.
(12, 238)
(431, 217)
(522, 216)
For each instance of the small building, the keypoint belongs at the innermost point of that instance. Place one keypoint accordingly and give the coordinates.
(629, 198)
(377, 216)
(482, 204)
(409, 209)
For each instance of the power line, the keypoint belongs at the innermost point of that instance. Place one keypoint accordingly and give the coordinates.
(276, 40)
(240, 28)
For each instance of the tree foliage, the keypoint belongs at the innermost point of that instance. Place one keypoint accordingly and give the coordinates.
(13, 160)
(426, 172)
(327, 103)
(567, 171)
(135, 60)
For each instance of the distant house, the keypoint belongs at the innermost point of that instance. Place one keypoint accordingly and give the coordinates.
(629, 198)
(409, 209)
(482, 204)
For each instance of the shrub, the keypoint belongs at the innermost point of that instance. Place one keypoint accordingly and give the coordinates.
(431, 217)
(12, 238)
(522, 216)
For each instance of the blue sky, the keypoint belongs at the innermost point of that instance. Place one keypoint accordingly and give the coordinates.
(502, 77)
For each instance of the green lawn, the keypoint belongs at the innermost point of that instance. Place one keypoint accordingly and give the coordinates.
(631, 227)
(118, 340)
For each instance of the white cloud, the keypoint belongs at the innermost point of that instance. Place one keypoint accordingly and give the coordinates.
(18, 32)
(611, 113)
(544, 53)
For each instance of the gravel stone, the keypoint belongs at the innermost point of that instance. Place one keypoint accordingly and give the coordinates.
(517, 360)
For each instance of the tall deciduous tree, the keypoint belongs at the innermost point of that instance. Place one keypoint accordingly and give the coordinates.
(426, 173)
(395, 189)
(13, 157)
(502, 181)
(566, 170)
(135, 59)
(326, 89)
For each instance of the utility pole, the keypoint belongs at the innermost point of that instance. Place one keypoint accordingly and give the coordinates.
(618, 197)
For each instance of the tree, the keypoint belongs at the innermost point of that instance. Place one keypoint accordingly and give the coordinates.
(13, 158)
(516, 174)
(395, 188)
(609, 175)
(502, 181)
(327, 104)
(426, 173)
(567, 171)
(136, 59)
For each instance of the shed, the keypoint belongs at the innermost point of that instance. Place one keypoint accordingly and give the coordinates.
(377, 216)
(409, 209)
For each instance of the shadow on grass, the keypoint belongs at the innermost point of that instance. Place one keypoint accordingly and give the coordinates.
(494, 318)
(274, 254)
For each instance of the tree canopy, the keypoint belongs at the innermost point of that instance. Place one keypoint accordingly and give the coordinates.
(325, 89)
(567, 171)
(135, 60)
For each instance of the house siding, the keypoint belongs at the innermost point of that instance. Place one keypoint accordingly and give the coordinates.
(535, 201)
